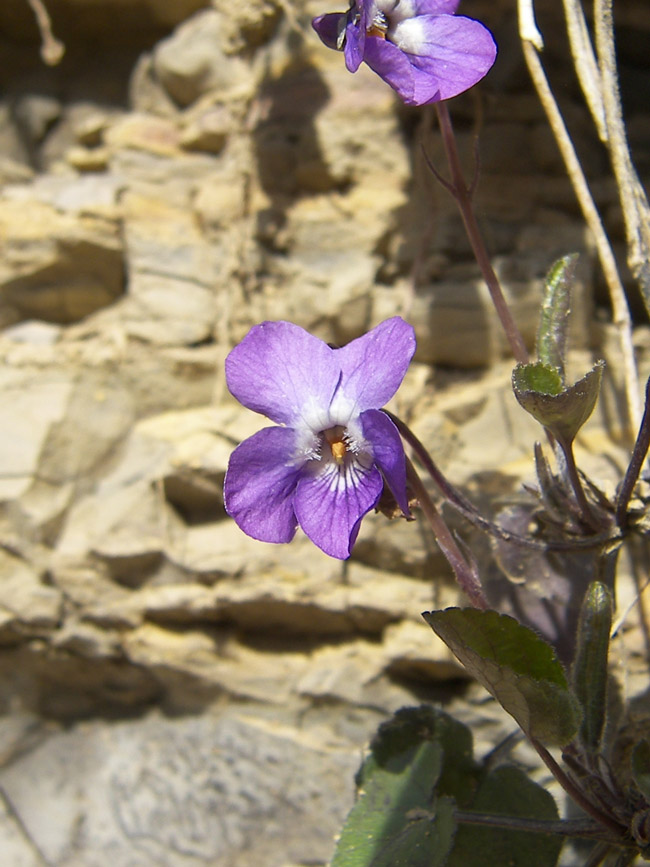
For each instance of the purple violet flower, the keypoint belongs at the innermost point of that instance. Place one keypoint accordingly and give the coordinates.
(419, 47)
(324, 469)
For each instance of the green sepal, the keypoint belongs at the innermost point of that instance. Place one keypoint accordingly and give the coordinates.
(589, 674)
(563, 411)
(516, 666)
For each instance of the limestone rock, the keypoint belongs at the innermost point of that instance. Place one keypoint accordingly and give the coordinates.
(193, 61)
(55, 266)
(35, 114)
(180, 791)
(170, 283)
(29, 607)
(144, 132)
(100, 20)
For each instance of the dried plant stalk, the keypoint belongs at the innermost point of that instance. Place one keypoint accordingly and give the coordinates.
(532, 42)
(636, 211)
(52, 49)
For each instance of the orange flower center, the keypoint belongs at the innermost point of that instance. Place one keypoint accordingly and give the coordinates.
(335, 437)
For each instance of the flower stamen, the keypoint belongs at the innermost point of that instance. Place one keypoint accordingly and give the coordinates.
(336, 438)
(378, 26)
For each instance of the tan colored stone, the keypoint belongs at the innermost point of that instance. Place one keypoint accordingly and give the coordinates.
(192, 61)
(144, 132)
(88, 159)
(26, 416)
(413, 652)
(56, 266)
(208, 129)
(28, 607)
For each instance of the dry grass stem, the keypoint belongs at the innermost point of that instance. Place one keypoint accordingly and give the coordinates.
(620, 308)
(634, 202)
(52, 49)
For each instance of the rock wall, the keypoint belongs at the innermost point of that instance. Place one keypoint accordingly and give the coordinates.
(172, 692)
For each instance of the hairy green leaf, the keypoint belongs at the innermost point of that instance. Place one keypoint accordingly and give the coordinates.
(554, 318)
(514, 664)
(589, 673)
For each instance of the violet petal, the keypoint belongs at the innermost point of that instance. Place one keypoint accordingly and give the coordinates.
(449, 54)
(331, 501)
(395, 67)
(388, 453)
(354, 47)
(283, 372)
(327, 28)
(260, 484)
(373, 366)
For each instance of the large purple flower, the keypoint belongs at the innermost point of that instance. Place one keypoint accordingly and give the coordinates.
(324, 469)
(424, 51)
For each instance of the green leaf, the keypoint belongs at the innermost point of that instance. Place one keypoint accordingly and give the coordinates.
(514, 664)
(554, 318)
(641, 767)
(403, 816)
(419, 767)
(589, 673)
(507, 791)
(562, 412)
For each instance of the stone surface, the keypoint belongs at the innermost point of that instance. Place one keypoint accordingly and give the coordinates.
(178, 792)
(54, 266)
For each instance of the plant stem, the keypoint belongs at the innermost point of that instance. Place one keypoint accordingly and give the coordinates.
(458, 501)
(466, 574)
(574, 792)
(579, 492)
(461, 193)
(639, 453)
(583, 828)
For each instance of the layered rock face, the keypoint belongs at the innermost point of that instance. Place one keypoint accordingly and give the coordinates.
(172, 692)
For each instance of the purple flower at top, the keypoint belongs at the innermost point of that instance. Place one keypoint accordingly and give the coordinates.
(424, 51)
(325, 467)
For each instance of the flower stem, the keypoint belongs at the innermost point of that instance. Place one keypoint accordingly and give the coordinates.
(578, 490)
(583, 828)
(636, 462)
(461, 192)
(466, 573)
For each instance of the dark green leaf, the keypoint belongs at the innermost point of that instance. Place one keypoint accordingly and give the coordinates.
(402, 816)
(590, 667)
(554, 318)
(425, 841)
(517, 666)
(563, 412)
(507, 791)
(641, 767)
